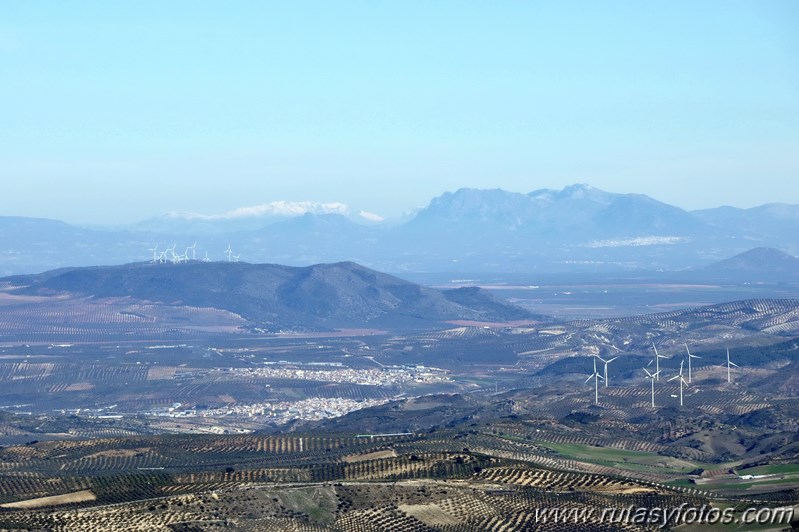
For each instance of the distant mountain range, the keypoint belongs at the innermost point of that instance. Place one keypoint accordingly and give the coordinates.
(267, 296)
(577, 229)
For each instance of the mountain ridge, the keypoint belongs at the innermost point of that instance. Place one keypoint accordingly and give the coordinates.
(467, 230)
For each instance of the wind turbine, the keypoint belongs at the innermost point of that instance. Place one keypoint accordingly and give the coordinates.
(606, 362)
(193, 249)
(206, 259)
(690, 356)
(177, 259)
(652, 377)
(730, 364)
(682, 380)
(657, 361)
(228, 252)
(155, 254)
(596, 376)
(236, 257)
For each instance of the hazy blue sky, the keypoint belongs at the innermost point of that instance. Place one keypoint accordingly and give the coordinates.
(118, 111)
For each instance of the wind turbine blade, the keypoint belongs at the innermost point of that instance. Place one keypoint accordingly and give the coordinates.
(611, 360)
(589, 378)
(734, 364)
(675, 377)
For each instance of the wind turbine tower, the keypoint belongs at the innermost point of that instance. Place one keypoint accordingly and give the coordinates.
(730, 364)
(690, 356)
(606, 362)
(682, 380)
(657, 361)
(596, 376)
(657, 358)
(652, 377)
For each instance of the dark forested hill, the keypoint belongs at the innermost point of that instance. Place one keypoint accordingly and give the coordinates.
(343, 294)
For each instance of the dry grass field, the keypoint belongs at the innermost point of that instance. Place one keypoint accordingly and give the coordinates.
(53, 500)
(375, 455)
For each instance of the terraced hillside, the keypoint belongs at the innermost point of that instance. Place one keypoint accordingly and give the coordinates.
(443, 481)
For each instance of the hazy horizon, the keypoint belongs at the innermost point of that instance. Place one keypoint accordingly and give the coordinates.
(288, 209)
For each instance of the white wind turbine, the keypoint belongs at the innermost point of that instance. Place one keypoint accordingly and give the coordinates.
(730, 364)
(596, 376)
(690, 356)
(658, 356)
(155, 253)
(193, 249)
(682, 380)
(228, 252)
(652, 377)
(206, 259)
(236, 257)
(177, 259)
(606, 362)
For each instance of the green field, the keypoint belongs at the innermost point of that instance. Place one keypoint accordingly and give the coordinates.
(771, 469)
(632, 460)
(726, 485)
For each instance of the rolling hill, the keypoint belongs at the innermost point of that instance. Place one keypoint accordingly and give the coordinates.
(764, 259)
(275, 297)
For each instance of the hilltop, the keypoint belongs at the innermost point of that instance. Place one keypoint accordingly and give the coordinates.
(758, 264)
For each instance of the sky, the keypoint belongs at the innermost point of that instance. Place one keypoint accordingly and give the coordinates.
(114, 112)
